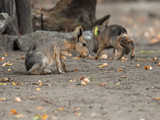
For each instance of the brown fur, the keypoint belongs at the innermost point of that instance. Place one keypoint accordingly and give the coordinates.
(39, 58)
(114, 36)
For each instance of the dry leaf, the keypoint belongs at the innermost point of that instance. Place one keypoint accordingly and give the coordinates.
(9, 70)
(4, 79)
(40, 83)
(19, 116)
(103, 84)
(103, 65)
(77, 113)
(18, 99)
(3, 84)
(7, 64)
(157, 98)
(124, 59)
(38, 89)
(75, 70)
(37, 117)
(138, 65)
(13, 112)
(154, 41)
(23, 57)
(2, 58)
(120, 70)
(44, 117)
(39, 108)
(104, 56)
(14, 83)
(60, 109)
(76, 58)
(3, 99)
(84, 81)
(148, 67)
(158, 64)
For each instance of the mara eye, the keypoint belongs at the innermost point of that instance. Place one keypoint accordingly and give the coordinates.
(84, 44)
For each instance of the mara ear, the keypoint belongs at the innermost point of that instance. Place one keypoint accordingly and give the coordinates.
(78, 32)
(96, 31)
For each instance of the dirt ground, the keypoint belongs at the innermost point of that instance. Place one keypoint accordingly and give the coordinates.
(120, 91)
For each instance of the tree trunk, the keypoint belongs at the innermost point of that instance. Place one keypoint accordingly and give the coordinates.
(23, 8)
(20, 12)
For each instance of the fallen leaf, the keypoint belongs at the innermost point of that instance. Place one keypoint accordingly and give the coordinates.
(60, 109)
(13, 112)
(40, 83)
(39, 108)
(19, 116)
(76, 58)
(156, 98)
(75, 70)
(120, 70)
(158, 64)
(4, 79)
(14, 83)
(103, 65)
(23, 57)
(77, 113)
(154, 41)
(148, 67)
(118, 83)
(103, 84)
(9, 70)
(7, 64)
(44, 117)
(84, 80)
(18, 99)
(3, 99)
(137, 65)
(104, 56)
(38, 89)
(1, 84)
(124, 59)
(37, 117)
(2, 58)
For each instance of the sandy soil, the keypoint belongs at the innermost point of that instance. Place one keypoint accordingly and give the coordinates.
(120, 91)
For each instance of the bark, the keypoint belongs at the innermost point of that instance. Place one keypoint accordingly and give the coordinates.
(23, 9)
